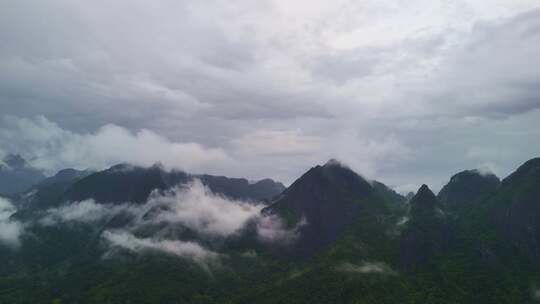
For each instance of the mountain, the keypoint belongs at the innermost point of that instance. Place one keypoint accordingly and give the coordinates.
(122, 183)
(17, 175)
(127, 183)
(49, 191)
(326, 201)
(72, 254)
(514, 209)
(241, 188)
(388, 193)
(426, 234)
(424, 205)
(409, 196)
(348, 240)
(466, 187)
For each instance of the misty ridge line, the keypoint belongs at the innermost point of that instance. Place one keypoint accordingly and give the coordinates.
(212, 216)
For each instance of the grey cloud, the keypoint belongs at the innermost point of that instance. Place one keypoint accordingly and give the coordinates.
(275, 142)
(361, 64)
(169, 69)
(343, 67)
(493, 71)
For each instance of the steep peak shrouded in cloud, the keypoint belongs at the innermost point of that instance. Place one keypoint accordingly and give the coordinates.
(329, 199)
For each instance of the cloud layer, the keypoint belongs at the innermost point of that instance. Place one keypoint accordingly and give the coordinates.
(269, 89)
(49, 147)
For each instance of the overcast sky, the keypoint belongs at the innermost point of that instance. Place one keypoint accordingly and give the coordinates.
(406, 92)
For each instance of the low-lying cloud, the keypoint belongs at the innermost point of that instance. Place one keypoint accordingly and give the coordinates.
(86, 211)
(196, 207)
(180, 248)
(10, 230)
(536, 294)
(366, 268)
(272, 229)
(190, 206)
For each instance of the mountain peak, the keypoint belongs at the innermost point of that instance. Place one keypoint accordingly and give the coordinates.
(468, 186)
(426, 234)
(424, 189)
(533, 162)
(515, 208)
(474, 173)
(329, 198)
(424, 194)
(529, 169)
(424, 202)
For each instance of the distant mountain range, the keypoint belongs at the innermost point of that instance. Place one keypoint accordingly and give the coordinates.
(132, 234)
(17, 175)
